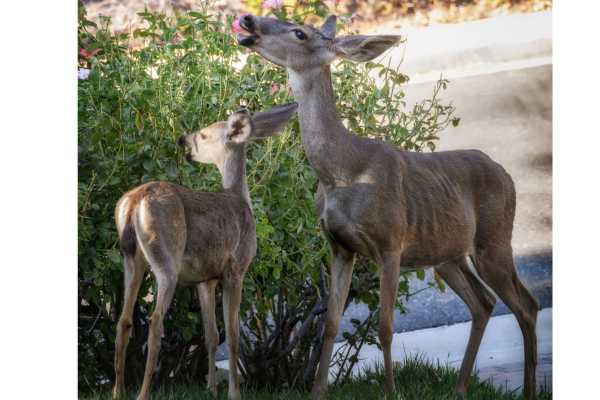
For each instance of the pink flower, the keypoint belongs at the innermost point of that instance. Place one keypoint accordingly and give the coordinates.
(88, 54)
(274, 89)
(274, 4)
(236, 27)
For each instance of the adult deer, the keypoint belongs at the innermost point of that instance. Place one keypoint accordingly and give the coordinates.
(194, 238)
(403, 210)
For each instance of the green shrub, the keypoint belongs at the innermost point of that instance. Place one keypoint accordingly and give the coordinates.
(136, 102)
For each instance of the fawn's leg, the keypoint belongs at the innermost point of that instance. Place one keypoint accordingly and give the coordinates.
(232, 297)
(134, 275)
(206, 293)
(166, 280)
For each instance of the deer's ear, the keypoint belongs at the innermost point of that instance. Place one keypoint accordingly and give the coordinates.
(268, 123)
(328, 28)
(239, 126)
(364, 48)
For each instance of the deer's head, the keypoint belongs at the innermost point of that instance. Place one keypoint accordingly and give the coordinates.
(213, 144)
(302, 47)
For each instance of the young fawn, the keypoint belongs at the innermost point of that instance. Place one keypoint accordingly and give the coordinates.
(194, 238)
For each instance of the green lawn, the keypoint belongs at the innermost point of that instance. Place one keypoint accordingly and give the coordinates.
(415, 380)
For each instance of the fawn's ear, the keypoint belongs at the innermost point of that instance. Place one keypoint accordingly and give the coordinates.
(328, 28)
(239, 126)
(268, 123)
(364, 48)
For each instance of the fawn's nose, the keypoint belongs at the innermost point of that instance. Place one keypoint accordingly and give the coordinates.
(181, 141)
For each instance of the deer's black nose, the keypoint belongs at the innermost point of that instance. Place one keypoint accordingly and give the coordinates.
(247, 23)
(181, 141)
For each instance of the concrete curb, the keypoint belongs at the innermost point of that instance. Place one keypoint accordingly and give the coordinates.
(488, 45)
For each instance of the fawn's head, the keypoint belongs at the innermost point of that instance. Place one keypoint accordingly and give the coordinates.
(304, 47)
(212, 145)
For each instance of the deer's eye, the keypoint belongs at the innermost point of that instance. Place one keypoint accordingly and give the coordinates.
(299, 34)
(202, 136)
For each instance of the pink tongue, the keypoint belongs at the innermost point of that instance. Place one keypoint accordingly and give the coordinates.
(236, 27)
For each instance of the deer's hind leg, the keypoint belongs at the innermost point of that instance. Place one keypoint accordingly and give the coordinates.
(166, 279)
(134, 272)
(481, 304)
(206, 294)
(495, 266)
(389, 279)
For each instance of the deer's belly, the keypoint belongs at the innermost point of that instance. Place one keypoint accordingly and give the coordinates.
(418, 257)
(201, 266)
(427, 247)
(352, 220)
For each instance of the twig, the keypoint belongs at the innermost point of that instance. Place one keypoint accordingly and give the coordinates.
(95, 321)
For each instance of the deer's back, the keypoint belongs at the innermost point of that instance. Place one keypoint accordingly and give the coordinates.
(206, 232)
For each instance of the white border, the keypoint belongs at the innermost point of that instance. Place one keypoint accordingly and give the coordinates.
(38, 200)
(38, 204)
(576, 199)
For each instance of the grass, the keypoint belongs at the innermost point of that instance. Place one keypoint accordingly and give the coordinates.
(415, 380)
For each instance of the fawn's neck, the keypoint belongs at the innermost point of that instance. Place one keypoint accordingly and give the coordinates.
(233, 171)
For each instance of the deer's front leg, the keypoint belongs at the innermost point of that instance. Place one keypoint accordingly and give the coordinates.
(206, 293)
(341, 277)
(232, 297)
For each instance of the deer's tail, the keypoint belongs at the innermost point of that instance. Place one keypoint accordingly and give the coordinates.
(128, 240)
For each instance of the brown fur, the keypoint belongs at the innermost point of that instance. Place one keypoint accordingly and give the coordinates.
(401, 209)
(193, 238)
(219, 227)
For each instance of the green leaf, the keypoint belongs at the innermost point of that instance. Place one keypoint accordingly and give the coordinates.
(87, 22)
(187, 334)
(114, 256)
(148, 165)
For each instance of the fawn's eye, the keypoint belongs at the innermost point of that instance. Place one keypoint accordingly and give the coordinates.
(299, 34)
(202, 136)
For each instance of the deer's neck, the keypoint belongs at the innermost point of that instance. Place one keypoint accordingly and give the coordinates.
(324, 137)
(233, 171)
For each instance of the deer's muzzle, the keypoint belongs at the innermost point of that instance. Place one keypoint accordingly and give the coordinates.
(248, 24)
(246, 40)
